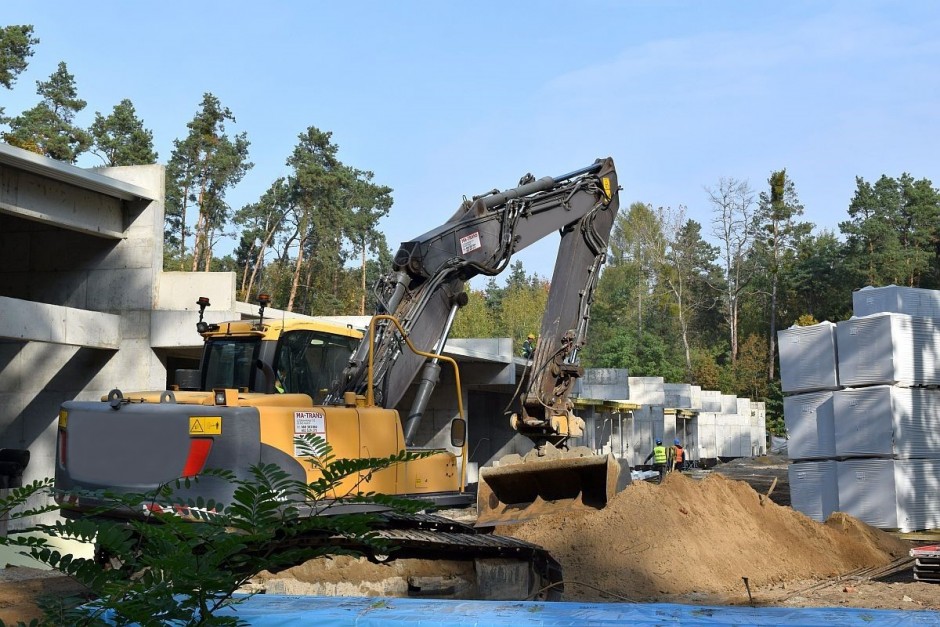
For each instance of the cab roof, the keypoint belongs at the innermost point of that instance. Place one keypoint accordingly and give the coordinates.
(272, 329)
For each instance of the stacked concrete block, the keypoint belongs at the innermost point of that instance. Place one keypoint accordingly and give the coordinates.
(711, 401)
(912, 301)
(867, 491)
(814, 488)
(646, 390)
(603, 383)
(810, 423)
(682, 395)
(882, 427)
(808, 358)
(887, 421)
(916, 488)
(888, 348)
(891, 493)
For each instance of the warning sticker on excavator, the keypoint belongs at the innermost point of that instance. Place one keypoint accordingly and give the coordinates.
(469, 243)
(606, 186)
(205, 425)
(308, 422)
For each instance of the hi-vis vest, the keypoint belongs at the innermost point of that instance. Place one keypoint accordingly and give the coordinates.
(659, 455)
(679, 453)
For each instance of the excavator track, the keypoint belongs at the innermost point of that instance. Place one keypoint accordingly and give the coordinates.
(506, 568)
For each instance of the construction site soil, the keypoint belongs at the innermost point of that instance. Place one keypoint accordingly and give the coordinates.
(699, 538)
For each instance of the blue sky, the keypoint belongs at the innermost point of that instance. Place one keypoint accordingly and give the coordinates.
(446, 99)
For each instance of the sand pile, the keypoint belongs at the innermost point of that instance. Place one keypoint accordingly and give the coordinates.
(688, 536)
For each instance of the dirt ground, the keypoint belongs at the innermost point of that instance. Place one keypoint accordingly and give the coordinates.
(701, 538)
(695, 541)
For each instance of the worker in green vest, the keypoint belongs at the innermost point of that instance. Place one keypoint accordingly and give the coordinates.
(528, 347)
(658, 455)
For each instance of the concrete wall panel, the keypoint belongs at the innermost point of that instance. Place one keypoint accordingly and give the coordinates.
(179, 291)
(118, 290)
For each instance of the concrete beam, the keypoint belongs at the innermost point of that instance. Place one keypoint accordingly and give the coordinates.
(39, 322)
(73, 175)
(60, 204)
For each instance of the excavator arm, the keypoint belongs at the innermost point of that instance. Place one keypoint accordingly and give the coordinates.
(425, 287)
(423, 292)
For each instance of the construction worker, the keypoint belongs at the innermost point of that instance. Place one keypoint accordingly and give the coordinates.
(528, 347)
(678, 455)
(658, 455)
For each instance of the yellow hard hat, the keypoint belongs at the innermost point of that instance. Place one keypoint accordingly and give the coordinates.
(531, 336)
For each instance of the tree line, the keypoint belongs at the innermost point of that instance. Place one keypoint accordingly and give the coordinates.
(691, 302)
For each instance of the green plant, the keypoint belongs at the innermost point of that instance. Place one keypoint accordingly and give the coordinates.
(184, 567)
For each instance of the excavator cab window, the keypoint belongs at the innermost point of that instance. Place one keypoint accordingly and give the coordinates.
(229, 363)
(308, 362)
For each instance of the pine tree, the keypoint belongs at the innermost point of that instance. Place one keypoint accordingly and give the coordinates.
(202, 168)
(16, 46)
(121, 139)
(48, 128)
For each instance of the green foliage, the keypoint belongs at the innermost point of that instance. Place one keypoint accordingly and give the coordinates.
(121, 139)
(474, 319)
(183, 566)
(16, 46)
(892, 232)
(201, 170)
(316, 223)
(513, 310)
(48, 128)
(773, 405)
(806, 320)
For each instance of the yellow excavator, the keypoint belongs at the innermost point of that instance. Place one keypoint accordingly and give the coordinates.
(263, 382)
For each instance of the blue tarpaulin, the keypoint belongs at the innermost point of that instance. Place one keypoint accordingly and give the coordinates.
(265, 610)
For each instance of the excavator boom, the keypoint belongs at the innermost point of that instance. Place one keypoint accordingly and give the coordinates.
(425, 288)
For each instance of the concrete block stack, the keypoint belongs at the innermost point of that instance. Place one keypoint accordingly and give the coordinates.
(682, 396)
(603, 384)
(867, 442)
(711, 401)
(646, 390)
(710, 424)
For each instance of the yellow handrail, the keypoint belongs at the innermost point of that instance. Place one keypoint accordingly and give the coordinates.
(370, 394)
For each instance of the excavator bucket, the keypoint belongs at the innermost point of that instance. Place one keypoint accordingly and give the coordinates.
(520, 490)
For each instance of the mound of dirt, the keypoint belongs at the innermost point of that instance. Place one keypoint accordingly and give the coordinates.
(688, 537)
